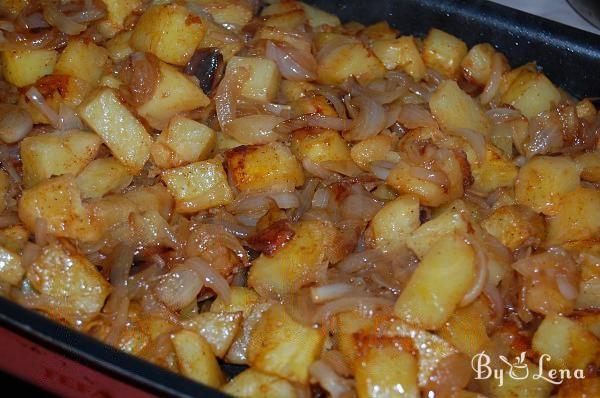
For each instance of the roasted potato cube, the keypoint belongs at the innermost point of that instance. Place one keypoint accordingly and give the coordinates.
(283, 347)
(531, 92)
(118, 47)
(242, 300)
(55, 154)
(454, 109)
(14, 238)
(522, 386)
(352, 59)
(295, 264)
(238, 352)
(466, 329)
(124, 135)
(58, 202)
(378, 31)
(514, 225)
(170, 32)
(577, 217)
(586, 110)
(430, 348)
(11, 270)
(228, 12)
(196, 360)
(477, 64)
(175, 93)
(319, 145)
(255, 168)
(70, 281)
(117, 11)
(544, 180)
(372, 149)
(102, 176)
(263, 78)
(401, 53)
(25, 67)
(317, 17)
(443, 52)
(82, 59)
(254, 384)
(454, 220)
(292, 91)
(496, 171)
(183, 141)
(438, 284)
(292, 20)
(589, 162)
(218, 328)
(386, 371)
(392, 225)
(198, 186)
(568, 344)
(281, 7)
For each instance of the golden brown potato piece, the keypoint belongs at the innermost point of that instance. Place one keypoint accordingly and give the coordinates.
(401, 53)
(25, 67)
(515, 225)
(196, 360)
(443, 52)
(281, 346)
(252, 383)
(83, 60)
(74, 289)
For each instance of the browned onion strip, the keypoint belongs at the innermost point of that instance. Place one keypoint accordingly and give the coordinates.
(255, 129)
(382, 97)
(334, 291)
(363, 304)
(37, 99)
(312, 120)
(437, 177)
(492, 86)
(413, 116)
(358, 261)
(481, 264)
(370, 120)
(211, 278)
(501, 115)
(8, 165)
(60, 21)
(475, 140)
(329, 380)
(227, 93)
(294, 64)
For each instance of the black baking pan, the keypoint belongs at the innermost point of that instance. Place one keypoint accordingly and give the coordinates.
(570, 57)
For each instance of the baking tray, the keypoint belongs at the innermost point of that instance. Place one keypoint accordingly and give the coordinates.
(71, 364)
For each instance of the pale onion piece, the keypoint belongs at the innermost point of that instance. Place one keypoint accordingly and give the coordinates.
(15, 123)
(363, 304)
(359, 261)
(495, 298)
(293, 64)
(285, 200)
(313, 120)
(321, 198)
(7, 25)
(37, 99)
(476, 140)
(31, 252)
(360, 206)
(179, 287)
(482, 274)
(227, 94)
(318, 171)
(329, 380)
(254, 129)
(211, 278)
(502, 115)
(68, 119)
(345, 167)
(413, 116)
(381, 96)
(437, 177)
(369, 121)
(492, 86)
(381, 169)
(566, 287)
(61, 22)
(9, 219)
(334, 291)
